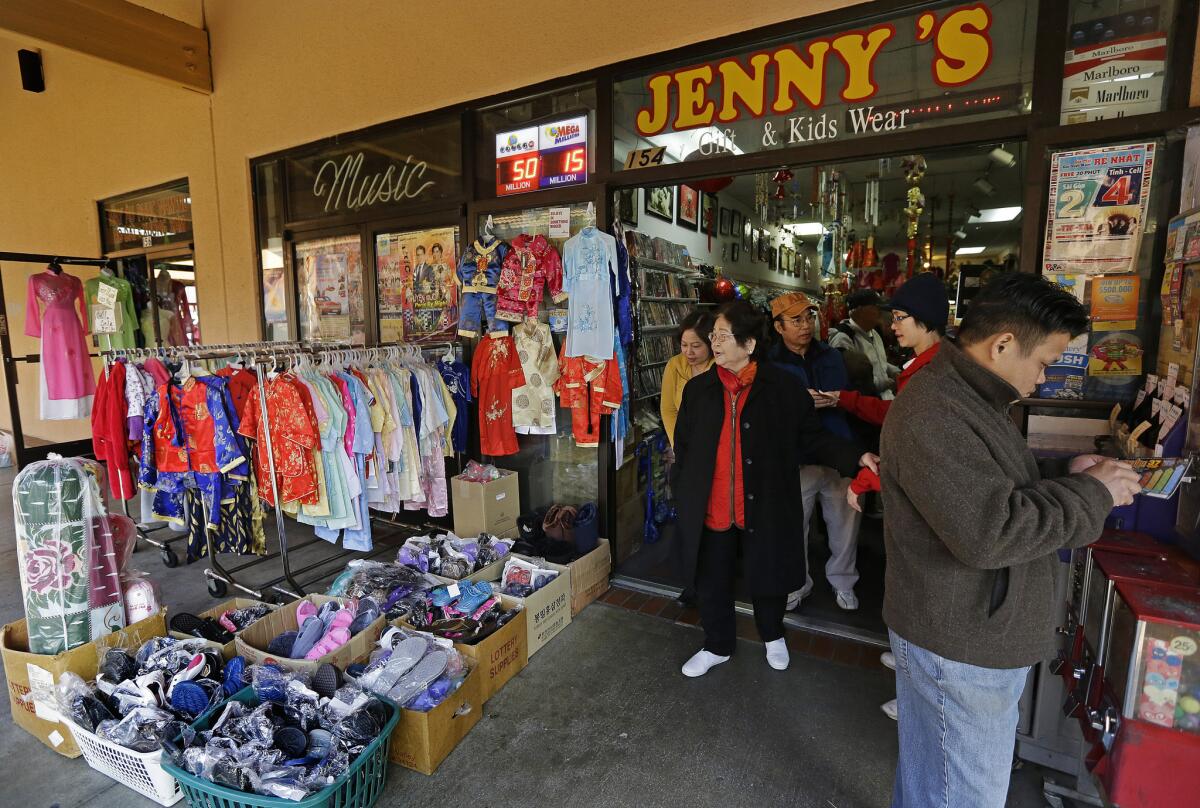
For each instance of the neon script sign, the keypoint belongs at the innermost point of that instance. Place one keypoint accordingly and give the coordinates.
(779, 80)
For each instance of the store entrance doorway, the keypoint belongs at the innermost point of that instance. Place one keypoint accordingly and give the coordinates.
(827, 231)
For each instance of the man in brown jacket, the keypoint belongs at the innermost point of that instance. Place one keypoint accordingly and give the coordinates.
(972, 526)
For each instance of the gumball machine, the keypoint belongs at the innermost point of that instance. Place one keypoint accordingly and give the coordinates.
(1148, 725)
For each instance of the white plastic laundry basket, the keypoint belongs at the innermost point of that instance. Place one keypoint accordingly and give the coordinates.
(141, 771)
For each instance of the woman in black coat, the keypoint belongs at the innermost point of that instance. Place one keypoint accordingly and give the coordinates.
(745, 427)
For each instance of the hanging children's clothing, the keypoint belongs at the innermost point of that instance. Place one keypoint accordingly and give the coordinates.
(457, 378)
(623, 290)
(495, 373)
(590, 264)
(110, 311)
(533, 410)
(531, 264)
(479, 272)
(110, 430)
(66, 385)
(293, 437)
(590, 388)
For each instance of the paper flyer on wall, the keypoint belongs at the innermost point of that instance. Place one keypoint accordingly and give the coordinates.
(1097, 208)
(1115, 355)
(1065, 378)
(1115, 302)
(418, 289)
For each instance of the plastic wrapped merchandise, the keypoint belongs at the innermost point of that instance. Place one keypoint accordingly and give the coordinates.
(72, 594)
(141, 595)
(522, 578)
(141, 730)
(76, 700)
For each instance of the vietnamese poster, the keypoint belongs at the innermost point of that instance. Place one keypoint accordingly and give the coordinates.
(418, 288)
(1115, 302)
(330, 278)
(1097, 208)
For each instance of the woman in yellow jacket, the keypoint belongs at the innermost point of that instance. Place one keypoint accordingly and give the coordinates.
(694, 357)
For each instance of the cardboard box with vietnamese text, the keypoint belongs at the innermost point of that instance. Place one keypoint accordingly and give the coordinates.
(548, 610)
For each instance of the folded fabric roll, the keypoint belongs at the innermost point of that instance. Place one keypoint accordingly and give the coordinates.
(587, 528)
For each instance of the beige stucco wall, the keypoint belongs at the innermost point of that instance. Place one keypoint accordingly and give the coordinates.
(284, 72)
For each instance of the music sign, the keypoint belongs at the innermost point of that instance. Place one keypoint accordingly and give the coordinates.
(545, 156)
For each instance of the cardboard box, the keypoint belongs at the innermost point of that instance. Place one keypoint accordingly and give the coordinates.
(589, 576)
(421, 741)
(548, 610)
(253, 641)
(229, 649)
(31, 677)
(490, 507)
(503, 655)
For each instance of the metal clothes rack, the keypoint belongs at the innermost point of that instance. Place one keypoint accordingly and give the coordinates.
(23, 453)
(264, 358)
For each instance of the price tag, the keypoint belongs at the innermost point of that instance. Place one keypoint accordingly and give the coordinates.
(560, 222)
(147, 241)
(644, 158)
(106, 295)
(1183, 646)
(104, 321)
(453, 590)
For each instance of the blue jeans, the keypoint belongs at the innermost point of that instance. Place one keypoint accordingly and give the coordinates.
(958, 725)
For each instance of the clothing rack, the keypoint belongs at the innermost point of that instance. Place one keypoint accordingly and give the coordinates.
(264, 357)
(24, 454)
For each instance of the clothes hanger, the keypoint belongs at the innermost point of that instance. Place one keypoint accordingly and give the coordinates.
(54, 266)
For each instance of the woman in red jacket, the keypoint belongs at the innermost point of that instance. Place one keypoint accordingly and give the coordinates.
(919, 313)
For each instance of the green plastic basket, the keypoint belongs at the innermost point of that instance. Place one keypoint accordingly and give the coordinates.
(359, 787)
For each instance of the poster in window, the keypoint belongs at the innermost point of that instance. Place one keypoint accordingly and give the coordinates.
(418, 292)
(1115, 302)
(274, 296)
(1098, 200)
(1115, 356)
(330, 280)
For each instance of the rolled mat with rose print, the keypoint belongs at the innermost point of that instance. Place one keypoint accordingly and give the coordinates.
(65, 555)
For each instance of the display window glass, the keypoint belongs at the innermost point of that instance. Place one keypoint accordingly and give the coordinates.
(417, 289)
(146, 219)
(381, 172)
(1115, 64)
(268, 194)
(553, 468)
(535, 143)
(329, 274)
(951, 63)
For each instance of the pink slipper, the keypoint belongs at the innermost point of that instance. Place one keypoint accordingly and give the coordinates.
(337, 635)
(304, 610)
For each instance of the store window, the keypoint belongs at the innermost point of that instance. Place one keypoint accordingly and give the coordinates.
(952, 63)
(268, 195)
(416, 285)
(553, 467)
(148, 218)
(383, 172)
(1115, 64)
(329, 273)
(535, 143)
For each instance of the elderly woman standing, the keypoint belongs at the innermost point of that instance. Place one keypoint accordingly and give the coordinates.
(745, 427)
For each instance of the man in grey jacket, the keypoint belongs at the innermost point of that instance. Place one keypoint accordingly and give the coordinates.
(972, 526)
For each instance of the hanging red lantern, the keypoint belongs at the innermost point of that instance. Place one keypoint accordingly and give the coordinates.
(723, 289)
(712, 185)
(780, 193)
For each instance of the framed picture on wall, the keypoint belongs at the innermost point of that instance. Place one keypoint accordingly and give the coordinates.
(773, 257)
(734, 252)
(747, 237)
(627, 209)
(708, 214)
(762, 240)
(660, 202)
(688, 213)
(735, 224)
(725, 220)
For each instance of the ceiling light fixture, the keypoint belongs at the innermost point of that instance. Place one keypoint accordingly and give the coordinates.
(992, 215)
(969, 250)
(1001, 156)
(805, 228)
(984, 187)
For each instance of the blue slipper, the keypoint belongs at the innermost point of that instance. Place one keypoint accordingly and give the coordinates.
(281, 646)
(189, 698)
(235, 675)
(310, 635)
(368, 610)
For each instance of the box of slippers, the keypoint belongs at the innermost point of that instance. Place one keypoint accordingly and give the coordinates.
(307, 632)
(219, 625)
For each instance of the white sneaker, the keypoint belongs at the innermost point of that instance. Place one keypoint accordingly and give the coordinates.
(889, 709)
(702, 663)
(847, 600)
(795, 598)
(777, 654)
(888, 659)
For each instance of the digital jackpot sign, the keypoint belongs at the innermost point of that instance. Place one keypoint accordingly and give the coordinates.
(544, 156)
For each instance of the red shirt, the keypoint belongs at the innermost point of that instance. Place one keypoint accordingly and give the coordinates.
(874, 410)
(726, 504)
(495, 373)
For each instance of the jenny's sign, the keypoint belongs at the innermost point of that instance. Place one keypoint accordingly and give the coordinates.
(874, 80)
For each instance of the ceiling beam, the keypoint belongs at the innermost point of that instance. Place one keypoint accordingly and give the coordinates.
(119, 32)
